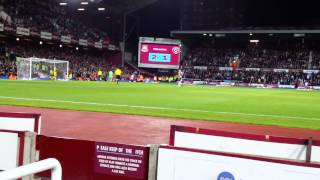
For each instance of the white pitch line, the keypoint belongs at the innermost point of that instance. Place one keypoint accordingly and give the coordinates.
(160, 108)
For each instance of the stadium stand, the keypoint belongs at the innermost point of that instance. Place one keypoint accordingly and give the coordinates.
(254, 63)
(47, 16)
(84, 64)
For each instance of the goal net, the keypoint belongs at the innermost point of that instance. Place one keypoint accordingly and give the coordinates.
(41, 69)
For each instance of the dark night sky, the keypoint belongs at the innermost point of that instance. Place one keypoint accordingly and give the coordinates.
(160, 18)
(163, 16)
(282, 13)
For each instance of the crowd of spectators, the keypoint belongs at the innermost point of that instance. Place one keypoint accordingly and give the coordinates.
(255, 56)
(39, 15)
(260, 77)
(83, 64)
(295, 57)
(86, 64)
(7, 67)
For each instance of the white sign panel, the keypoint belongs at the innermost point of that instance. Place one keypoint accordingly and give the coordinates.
(83, 42)
(315, 154)
(17, 124)
(112, 47)
(23, 31)
(311, 71)
(187, 165)
(66, 39)
(281, 70)
(1, 27)
(46, 35)
(252, 69)
(9, 143)
(200, 67)
(286, 86)
(98, 45)
(240, 146)
(225, 68)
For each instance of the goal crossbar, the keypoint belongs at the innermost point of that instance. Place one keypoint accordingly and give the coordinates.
(46, 60)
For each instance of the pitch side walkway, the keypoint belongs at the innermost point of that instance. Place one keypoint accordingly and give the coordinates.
(130, 129)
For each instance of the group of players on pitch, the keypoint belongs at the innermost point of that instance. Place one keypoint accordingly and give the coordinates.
(111, 78)
(117, 77)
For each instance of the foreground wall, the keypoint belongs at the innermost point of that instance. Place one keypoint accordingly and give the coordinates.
(190, 164)
(250, 144)
(90, 160)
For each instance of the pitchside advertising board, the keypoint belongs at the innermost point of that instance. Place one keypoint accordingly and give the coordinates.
(191, 164)
(159, 53)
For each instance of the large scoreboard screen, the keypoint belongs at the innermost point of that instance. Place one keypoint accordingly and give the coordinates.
(159, 55)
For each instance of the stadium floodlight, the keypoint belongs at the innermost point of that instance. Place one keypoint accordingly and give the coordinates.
(41, 69)
(254, 41)
(80, 9)
(299, 35)
(101, 9)
(220, 35)
(63, 4)
(84, 3)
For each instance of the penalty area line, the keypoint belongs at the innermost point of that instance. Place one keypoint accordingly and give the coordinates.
(160, 108)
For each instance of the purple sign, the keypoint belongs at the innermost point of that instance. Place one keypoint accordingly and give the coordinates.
(122, 160)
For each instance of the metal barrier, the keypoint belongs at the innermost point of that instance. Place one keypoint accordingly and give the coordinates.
(51, 163)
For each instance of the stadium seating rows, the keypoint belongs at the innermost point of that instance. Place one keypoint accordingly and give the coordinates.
(295, 56)
(84, 64)
(47, 16)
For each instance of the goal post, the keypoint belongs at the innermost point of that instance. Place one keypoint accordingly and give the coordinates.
(42, 69)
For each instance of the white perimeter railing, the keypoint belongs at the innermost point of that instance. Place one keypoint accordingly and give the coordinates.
(51, 163)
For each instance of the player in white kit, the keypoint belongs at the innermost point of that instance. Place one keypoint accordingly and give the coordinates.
(180, 78)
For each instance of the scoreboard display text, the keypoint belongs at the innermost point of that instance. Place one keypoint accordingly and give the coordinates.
(159, 55)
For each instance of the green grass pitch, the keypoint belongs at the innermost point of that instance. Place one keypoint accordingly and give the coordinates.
(280, 107)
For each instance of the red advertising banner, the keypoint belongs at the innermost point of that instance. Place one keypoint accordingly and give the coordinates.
(123, 160)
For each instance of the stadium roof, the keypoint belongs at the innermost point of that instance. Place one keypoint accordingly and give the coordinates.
(110, 7)
(119, 6)
(266, 31)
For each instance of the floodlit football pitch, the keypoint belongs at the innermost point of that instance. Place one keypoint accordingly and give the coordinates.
(280, 107)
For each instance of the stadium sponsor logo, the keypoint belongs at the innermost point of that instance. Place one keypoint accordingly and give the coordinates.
(66, 39)
(225, 176)
(23, 31)
(112, 47)
(281, 70)
(176, 50)
(311, 71)
(98, 45)
(46, 35)
(83, 42)
(159, 49)
(144, 48)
